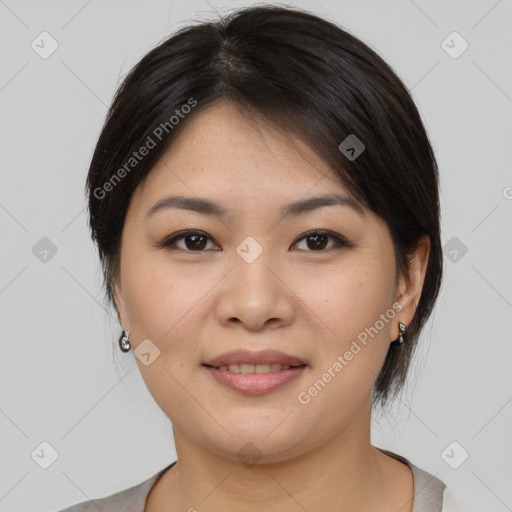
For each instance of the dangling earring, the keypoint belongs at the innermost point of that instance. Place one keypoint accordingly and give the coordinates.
(124, 341)
(402, 329)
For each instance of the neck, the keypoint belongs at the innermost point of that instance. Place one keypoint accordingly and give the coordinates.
(344, 473)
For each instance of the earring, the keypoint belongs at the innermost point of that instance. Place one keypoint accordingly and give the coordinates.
(402, 329)
(124, 341)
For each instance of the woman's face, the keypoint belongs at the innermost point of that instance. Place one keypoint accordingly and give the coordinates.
(254, 281)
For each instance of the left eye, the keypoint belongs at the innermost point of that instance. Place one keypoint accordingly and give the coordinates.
(319, 239)
(196, 241)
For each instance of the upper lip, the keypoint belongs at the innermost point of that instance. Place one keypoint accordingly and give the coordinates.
(254, 357)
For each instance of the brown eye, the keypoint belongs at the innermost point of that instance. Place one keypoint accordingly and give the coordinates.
(197, 241)
(317, 241)
(193, 241)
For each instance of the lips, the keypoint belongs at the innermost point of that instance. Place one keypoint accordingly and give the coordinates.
(246, 357)
(255, 372)
(255, 384)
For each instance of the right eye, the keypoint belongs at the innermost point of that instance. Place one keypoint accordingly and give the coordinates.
(194, 241)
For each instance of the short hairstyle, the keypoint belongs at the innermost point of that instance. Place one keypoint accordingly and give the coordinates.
(306, 76)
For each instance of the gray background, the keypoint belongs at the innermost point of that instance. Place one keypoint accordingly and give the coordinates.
(59, 382)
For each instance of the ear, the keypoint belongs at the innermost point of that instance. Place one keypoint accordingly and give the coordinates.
(119, 302)
(409, 290)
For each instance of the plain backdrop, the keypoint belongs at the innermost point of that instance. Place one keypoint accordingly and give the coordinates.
(68, 403)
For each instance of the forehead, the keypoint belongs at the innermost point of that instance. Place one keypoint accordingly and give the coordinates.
(224, 148)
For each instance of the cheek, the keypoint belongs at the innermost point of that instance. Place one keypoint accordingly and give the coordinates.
(164, 306)
(351, 358)
(348, 299)
(161, 301)
(350, 302)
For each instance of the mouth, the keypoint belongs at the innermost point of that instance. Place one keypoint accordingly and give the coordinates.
(255, 373)
(257, 369)
(262, 361)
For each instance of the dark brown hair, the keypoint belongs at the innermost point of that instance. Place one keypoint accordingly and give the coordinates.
(307, 76)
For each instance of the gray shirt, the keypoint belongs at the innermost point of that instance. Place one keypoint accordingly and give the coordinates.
(428, 494)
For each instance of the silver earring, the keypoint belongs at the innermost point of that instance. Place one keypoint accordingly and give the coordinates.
(124, 341)
(402, 329)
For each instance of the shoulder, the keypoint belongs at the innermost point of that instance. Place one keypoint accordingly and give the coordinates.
(432, 492)
(132, 499)
(428, 489)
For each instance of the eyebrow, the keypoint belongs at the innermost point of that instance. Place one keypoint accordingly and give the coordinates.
(295, 208)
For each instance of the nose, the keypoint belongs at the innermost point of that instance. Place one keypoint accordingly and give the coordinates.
(256, 295)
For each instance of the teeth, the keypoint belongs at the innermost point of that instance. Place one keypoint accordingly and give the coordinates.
(254, 368)
(246, 368)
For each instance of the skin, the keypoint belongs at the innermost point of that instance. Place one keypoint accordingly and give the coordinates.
(312, 303)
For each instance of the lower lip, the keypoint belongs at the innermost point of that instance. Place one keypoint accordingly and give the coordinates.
(255, 383)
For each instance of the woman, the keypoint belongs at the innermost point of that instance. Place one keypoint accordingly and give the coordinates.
(264, 198)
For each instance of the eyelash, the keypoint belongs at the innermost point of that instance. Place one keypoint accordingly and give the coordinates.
(170, 241)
